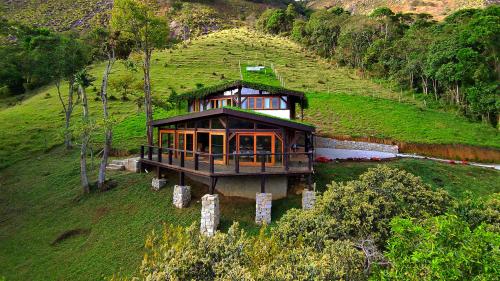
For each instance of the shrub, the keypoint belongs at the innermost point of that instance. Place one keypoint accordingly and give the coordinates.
(184, 254)
(441, 248)
(363, 208)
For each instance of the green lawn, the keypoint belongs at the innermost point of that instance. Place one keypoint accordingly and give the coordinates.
(41, 200)
(40, 182)
(349, 105)
(456, 179)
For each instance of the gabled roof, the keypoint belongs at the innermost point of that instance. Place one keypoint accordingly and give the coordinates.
(205, 91)
(239, 113)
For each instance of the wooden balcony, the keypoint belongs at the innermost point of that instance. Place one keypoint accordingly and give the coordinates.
(224, 165)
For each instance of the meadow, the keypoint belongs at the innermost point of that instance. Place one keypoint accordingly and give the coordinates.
(341, 102)
(49, 231)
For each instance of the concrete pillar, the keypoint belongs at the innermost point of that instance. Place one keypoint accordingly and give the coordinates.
(308, 199)
(210, 214)
(182, 196)
(263, 203)
(158, 184)
(133, 165)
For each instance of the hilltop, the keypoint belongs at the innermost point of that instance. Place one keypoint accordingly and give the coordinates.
(437, 8)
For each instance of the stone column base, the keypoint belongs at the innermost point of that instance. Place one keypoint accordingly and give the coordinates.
(158, 184)
(308, 199)
(182, 196)
(263, 203)
(210, 214)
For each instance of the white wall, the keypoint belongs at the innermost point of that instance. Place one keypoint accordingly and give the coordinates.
(281, 113)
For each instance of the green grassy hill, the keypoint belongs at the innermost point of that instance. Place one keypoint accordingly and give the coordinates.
(348, 104)
(48, 231)
(437, 8)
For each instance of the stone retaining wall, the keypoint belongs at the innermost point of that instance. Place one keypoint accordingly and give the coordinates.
(355, 145)
(158, 184)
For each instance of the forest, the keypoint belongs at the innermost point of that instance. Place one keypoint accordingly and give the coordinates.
(454, 62)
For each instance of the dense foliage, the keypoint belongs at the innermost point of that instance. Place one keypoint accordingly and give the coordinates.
(335, 240)
(441, 248)
(32, 57)
(454, 62)
(363, 208)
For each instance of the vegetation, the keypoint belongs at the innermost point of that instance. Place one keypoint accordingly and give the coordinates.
(331, 242)
(453, 62)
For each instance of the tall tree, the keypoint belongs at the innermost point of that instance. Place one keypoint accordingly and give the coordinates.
(83, 80)
(105, 42)
(139, 20)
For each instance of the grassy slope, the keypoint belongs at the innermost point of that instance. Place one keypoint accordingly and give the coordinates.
(40, 195)
(40, 201)
(369, 109)
(438, 8)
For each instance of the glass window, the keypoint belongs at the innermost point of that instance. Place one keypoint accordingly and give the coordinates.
(264, 148)
(258, 103)
(217, 146)
(189, 145)
(251, 103)
(167, 140)
(244, 103)
(217, 124)
(276, 103)
(283, 103)
(224, 102)
(246, 148)
(267, 103)
(248, 91)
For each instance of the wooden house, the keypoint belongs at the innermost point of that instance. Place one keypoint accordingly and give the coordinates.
(239, 138)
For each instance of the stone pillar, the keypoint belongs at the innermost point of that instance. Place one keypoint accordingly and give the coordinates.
(210, 214)
(133, 165)
(263, 203)
(157, 183)
(182, 196)
(308, 199)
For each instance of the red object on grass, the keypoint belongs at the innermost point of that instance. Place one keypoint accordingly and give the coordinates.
(452, 162)
(464, 162)
(322, 159)
(375, 159)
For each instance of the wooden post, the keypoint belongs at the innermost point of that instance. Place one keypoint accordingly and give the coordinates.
(263, 177)
(142, 151)
(196, 161)
(212, 185)
(236, 163)
(170, 156)
(150, 153)
(160, 152)
(310, 156)
(182, 158)
(212, 168)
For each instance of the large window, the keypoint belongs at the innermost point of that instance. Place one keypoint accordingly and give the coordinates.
(218, 103)
(254, 148)
(263, 103)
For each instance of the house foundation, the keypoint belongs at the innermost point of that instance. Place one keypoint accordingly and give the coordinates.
(181, 196)
(210, 214)
(263, 203)
(308, 199)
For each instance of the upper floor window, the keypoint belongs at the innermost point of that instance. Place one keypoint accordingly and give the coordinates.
(263, 103)
(218, 103)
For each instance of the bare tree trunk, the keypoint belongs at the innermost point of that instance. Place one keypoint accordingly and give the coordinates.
(147, 96)
(68, 110)
(434, 85)
(85, 139)
(108, 130)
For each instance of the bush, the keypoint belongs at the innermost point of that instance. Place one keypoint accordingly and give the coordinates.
(184, 254)
(363, 208)
(441, 248)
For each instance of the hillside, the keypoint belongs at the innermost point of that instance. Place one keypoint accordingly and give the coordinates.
(81, 14)
(438, 8)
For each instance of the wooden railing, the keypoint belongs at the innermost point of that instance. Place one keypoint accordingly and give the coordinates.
(260, 163)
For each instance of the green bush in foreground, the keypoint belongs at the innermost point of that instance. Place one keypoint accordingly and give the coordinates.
(363, 208)
(184, 254)
(441, 248)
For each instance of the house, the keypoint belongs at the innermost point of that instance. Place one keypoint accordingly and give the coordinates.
(238, 137)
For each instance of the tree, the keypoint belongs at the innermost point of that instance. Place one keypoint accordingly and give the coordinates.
(83, 80)
(138, 20)
(441, 248)
(105, 42)
(363, 208)
(68, 55)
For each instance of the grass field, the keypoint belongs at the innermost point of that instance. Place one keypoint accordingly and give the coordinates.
(39, 181)
(41, 200)
(349, 105)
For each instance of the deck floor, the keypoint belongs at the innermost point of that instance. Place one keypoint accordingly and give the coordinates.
(297, 165)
